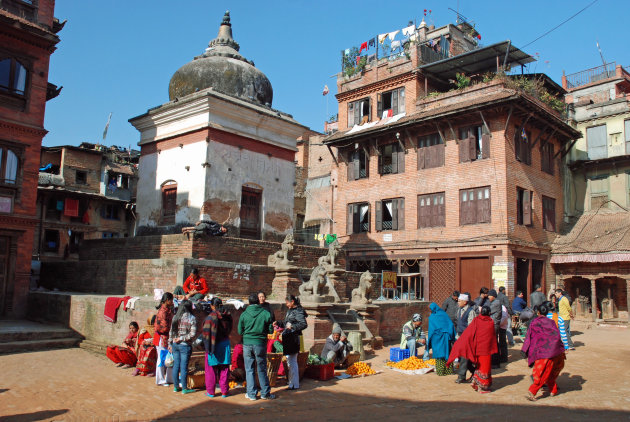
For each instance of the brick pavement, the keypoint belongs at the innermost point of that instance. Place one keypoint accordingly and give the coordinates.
(76, 385)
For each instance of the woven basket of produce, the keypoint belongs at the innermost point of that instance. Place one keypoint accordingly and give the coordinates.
(412, 366)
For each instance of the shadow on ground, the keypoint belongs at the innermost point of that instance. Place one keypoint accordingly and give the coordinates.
(35, 416)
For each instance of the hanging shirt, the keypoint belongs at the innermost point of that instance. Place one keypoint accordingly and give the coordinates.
(364, 46)
(393, 34)
(408, 30)
(71, 208)
(346, 52)
(372, 42)
(59, 206)
(395, 45)
(381, 38)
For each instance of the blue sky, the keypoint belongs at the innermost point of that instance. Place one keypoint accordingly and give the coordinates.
(118, 56)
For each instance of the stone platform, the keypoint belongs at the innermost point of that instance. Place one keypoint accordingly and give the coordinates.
(26, 336)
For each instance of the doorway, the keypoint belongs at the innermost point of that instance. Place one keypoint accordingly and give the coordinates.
(475, 273)
(4, 267)
(250, 212)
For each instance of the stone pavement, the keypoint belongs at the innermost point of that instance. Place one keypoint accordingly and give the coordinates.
(77, 385)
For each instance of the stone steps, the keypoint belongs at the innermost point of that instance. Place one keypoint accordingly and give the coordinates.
(33, 335)
(38, 345)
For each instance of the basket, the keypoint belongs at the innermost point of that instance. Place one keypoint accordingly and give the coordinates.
(302, 358)
(274, 360)
(196, 380)
(320, 372)
(397, 354)
(353, 357)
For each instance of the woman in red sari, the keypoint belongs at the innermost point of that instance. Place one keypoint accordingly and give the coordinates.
(125, 354)
(545, 352)
(147, 354)
(478, 343)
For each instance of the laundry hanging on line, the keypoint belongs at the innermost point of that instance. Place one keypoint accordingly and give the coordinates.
(382, 37)
(372, 42)
(395, 45)
(408, 30)
(364, 46)
(393, 34)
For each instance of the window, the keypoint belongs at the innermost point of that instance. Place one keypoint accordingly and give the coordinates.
(169, 202)
(117, 181)
(546, 158)
(12, 77)
(522, 146)
(430, 151)
(549, 213)
(9, 166)
(596, 142)
(431, 210)
(524, 206)
(74, 241)
(358, 218)
(627, 135)
(110, 211)
(6, 204)
(474, 206)
(474, 144)
(51, 241)
(359, 112)
(392, 159)
(54, 208)
(358, 165)
(80, 177)
(390, 103)
(599, 191)
(390, 214)
(110, 235)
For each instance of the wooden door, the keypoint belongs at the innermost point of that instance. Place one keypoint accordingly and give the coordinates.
(4, 266)
(538, 267)
(441, 279)
(250, 213)
(475, 273)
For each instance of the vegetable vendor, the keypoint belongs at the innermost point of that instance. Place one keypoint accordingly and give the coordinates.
(337, 348)
(413, 336)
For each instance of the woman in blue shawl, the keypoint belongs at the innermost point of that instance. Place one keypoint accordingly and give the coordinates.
(441, 336)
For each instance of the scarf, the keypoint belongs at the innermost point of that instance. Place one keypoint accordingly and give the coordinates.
(216, 327)
(543, 340)
(479, 339)
(441, 332)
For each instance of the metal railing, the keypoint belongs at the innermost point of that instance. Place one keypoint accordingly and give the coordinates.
(591, 75)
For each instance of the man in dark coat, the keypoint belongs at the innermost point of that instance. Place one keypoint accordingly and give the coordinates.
(451, 307)
(483, 297)
(496, 311)
(506, 302)
(538, 297)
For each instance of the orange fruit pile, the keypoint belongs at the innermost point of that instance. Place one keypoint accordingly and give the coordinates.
(360, 368)
(411, 364)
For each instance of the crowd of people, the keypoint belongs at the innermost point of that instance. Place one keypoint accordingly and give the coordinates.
(467, 335)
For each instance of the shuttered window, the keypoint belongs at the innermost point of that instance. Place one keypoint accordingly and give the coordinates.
(599, 187)
(546, 158)
(431, 210)
(475, 206)
(390, 214)
(358, 165)
(391, 159)
(524, 206)
(169, 203)
(549, 213)
(474, 144)
(430, 151)
(596, 142)
(359, 112)
(522, 146)
(390, 103)
(358, 218)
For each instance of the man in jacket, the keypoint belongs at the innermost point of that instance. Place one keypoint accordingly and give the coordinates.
(496, 312)
(506, 302)
(450, 307)
(413, 336)
(254, 325)
(483, 297)
(565, 312)
(466, 312)
(519, 303)
(537, 298)
(337, 347)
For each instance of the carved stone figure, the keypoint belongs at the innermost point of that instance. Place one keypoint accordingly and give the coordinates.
(281, 260)
(315, 285)
(362, 293)
(329, 261)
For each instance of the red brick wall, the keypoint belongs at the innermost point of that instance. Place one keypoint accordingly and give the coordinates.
(90, 162)
(392, 316)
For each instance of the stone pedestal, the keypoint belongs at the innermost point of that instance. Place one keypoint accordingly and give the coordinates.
(284, 283)
(314, 299)
(338, 280)
(369, 317)
(319, 326)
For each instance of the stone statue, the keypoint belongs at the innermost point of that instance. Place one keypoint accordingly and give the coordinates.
(315, 285)
(329, 261)
(362, 293)
(281, 260)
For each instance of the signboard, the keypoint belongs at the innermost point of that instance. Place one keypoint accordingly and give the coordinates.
(387, 237)
(389, 280)
(6, 204)
(500, 275)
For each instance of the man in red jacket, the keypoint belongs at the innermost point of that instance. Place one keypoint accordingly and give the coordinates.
(195, 287)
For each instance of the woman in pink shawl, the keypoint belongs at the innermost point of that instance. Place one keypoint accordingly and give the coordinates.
(545, 352)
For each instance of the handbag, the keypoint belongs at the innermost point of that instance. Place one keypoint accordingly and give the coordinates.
(162, 357)
(526, 314)
(168, 361)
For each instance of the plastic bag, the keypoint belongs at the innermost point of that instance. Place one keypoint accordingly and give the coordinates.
(168, 361)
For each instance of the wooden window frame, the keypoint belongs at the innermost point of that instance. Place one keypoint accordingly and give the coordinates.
(524, 207)
(76, 177)
(397, 108)
(431, 151)
(355, 118)
(397, 158)
(167, 219)
(355, 158)
(547, 164)
(45, 247)
(14, 189)
(398, 214)
(549, 213)
(474, 143)
(353, 218)
(522, 149)
(432, 215)
(10, 98)
(478, 213)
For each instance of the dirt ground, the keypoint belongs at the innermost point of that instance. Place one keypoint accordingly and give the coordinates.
(77, 385)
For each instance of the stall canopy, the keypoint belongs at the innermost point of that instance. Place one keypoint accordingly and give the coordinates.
(477, 61)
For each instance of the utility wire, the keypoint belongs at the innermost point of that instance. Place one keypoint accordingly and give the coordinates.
(562, 23)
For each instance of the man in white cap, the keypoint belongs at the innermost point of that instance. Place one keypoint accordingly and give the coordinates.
(413, 336)
(337, 347)
(465, 314)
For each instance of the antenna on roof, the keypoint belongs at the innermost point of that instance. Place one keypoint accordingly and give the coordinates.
(602, 56)
(460, 18)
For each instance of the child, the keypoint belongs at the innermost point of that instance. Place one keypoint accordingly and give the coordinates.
(125, 354)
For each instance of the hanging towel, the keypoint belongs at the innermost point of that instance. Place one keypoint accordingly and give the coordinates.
(395, 45)
(111, 307)
(236, 303)
(71, 208)
(393, 34)
(131, 303)
(372, 42)
(86, 218)
(157, 294)
(364, 46)
(346, 52)
(408, 30)
(390, 113)
(358, 59)
(381, 38)
(59, 206)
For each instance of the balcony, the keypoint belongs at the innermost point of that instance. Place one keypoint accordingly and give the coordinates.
(589, 76)
(24, 9)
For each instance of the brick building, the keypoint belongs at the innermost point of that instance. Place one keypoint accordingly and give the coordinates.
(460, 186)
(217, 150)
(85, 192)
(593, 259)
(28, 36)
